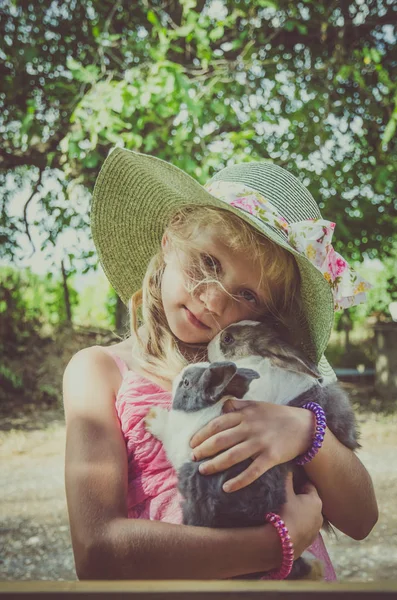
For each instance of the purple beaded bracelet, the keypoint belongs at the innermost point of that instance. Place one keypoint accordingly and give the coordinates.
(286, 545)
(319, 432)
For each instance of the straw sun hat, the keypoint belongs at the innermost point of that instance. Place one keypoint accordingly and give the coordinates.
(135, 195)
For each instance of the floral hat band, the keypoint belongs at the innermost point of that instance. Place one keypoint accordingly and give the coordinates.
(311, 238)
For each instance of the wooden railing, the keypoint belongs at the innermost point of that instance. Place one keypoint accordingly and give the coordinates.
(196, 590)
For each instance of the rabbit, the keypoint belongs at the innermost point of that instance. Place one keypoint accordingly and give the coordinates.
(287, 376)
(250, 360)
(199, 393)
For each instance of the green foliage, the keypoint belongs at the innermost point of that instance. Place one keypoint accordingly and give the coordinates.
(8, 379)
(29, 302)
(111, 306)
(308, 85)
(93, 308)
(359, 319)
(384, 289)
(357, 354)
(48, 393)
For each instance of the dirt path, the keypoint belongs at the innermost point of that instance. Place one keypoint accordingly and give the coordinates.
(374, 558)
(34, 523)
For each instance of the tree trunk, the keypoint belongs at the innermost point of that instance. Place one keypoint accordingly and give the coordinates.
(121, 317)
(347, 340)
(66, 297)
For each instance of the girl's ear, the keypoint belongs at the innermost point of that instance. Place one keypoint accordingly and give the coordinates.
(165, 246)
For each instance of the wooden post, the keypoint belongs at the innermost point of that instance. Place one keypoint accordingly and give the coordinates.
(386, 360)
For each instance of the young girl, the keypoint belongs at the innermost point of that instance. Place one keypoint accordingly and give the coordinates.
(189, 261)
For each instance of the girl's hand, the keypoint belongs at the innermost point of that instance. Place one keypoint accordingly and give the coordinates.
(302, 515)
(270, 434)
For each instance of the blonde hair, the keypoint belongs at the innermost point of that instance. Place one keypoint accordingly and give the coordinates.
(160, 352)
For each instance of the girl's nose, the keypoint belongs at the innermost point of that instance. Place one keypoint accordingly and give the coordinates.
(213, 297)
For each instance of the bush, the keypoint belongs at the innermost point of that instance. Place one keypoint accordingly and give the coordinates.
(29, 302)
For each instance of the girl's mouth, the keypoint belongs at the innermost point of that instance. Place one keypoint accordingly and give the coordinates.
(193, 320)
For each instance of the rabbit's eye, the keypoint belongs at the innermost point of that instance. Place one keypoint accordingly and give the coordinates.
(186, 382)
(227, 338)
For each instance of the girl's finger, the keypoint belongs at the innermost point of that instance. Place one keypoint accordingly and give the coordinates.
(227, 459)
(251, 474)
(215, 426)
(289, 486)
(219, 442)
(308, 488)
(233, 405)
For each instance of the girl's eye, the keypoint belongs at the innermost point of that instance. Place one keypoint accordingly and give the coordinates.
(210, 262)
(249, 296)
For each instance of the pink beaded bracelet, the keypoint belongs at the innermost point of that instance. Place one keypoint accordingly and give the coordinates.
(286, 545)
(319, 432)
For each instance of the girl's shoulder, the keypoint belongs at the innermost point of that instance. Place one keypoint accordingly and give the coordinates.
(122, 351)
(128, 356)
(87, 369)
(114, 362)
(104, 357)
(92, 380)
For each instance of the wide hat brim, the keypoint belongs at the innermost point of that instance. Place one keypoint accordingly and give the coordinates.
(134, 198)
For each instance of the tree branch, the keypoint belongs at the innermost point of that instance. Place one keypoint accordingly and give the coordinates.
(35, 156)
(25, 208)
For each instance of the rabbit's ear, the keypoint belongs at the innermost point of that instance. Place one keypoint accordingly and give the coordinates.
(240, 383)
(291, 359)
(216, 378)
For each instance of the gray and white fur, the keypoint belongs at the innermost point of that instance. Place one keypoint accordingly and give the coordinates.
(287, 376)
(249, 360)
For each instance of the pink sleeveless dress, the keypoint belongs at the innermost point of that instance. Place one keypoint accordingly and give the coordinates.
(152, 481)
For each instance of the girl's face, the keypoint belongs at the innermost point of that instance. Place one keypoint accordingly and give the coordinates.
(197, 317)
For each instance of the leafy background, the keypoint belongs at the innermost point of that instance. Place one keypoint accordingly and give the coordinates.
(202, 84)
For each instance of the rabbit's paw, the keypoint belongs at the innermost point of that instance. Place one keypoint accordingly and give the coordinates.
(317, 571)
(155, 421)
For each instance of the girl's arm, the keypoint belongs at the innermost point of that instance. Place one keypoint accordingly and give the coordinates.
(108, 545)
(272, 434)
(345, 487)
